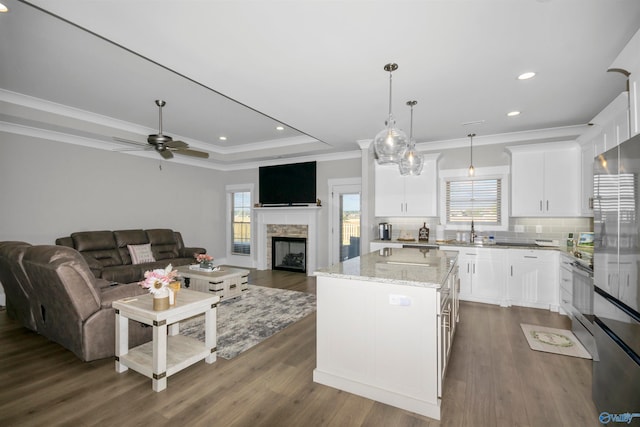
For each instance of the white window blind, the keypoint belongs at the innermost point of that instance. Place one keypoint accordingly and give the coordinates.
(480, 200)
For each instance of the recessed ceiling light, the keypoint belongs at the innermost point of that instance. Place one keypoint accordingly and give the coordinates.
(3, 8)
(513, 113)
(279, 127)
(222, 138)
(526, 76)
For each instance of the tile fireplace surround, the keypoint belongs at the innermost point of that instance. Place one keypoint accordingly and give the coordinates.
(292, 218)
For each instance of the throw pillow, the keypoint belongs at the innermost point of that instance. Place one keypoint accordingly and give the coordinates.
(141, 253)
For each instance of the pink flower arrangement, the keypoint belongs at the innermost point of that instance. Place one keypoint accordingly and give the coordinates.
(203, 257)
(158, 280)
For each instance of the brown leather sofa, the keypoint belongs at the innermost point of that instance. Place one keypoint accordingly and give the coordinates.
(51, 290)
(109, 257)
(21, 305)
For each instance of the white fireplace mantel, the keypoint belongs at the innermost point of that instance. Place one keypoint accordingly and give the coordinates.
(288, 215)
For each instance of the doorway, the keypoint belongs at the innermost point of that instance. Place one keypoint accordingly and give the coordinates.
(345, 214)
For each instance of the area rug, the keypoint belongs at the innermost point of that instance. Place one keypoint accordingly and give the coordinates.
(552, 340)
(246, 321)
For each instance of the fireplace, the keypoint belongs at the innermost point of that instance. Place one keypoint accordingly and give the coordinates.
(290, 221)
(289, 253)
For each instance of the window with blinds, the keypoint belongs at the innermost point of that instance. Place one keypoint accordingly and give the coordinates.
(478, 199)
(241, 223)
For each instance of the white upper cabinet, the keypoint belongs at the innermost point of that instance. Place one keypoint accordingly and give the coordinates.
(545, 180)
(629, 61)
(611, 124)
(609, 128)
(406, 196)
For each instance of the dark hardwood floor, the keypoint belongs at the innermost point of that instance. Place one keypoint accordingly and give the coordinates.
(494, 379)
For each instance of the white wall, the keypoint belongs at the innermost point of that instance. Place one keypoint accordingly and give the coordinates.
(349, 168)
(51, 189)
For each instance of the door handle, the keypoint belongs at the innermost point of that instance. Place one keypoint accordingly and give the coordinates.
(540, 205)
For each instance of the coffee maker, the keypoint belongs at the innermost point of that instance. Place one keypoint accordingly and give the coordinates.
(384, 231)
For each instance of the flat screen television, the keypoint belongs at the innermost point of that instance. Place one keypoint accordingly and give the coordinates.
(291, 184)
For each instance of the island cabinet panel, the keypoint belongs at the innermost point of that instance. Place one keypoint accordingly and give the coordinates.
(379, 340)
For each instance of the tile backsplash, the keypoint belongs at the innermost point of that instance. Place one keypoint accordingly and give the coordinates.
(520, 229)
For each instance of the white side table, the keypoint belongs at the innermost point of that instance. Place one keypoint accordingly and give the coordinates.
(168, 352)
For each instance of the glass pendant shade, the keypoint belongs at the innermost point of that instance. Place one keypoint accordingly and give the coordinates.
(411, 162)
(390, 143)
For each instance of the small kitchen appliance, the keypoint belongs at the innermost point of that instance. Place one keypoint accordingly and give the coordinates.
(384, 231)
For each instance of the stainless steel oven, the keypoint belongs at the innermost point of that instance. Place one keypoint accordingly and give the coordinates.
(582, 306)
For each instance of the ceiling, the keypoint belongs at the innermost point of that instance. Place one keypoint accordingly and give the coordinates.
(84, 72)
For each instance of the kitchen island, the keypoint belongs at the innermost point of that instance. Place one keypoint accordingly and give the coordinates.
(385, 324)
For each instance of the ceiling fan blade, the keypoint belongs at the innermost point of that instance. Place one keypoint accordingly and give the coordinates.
(141, 148)
(128, 141)
(193, 153)
(166, 154)
(176, 144)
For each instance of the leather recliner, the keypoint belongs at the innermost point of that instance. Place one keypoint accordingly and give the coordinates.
(21, 300)
(74, 307)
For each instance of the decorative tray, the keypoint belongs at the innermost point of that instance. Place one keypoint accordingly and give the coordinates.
(208, 270)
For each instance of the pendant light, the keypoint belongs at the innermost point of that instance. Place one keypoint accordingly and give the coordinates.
(472, 170)
(390, 143)
(411, 162)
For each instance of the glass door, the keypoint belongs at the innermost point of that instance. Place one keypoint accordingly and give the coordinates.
(349, 246)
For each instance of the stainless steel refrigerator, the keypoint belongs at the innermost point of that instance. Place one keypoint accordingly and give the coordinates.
(616, 302)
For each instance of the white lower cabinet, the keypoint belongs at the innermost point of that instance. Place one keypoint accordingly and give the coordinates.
(533, 278)
(566, 285)
(482, 274)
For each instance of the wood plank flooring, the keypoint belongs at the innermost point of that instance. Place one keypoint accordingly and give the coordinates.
(493, 379)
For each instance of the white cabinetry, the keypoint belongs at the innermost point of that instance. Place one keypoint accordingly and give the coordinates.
(533, 278)
(634, 103)
(413, 196)
(373, 347)
(566, 285)
(545, 180)
(609, 128)
(612, 124)
(586, 195)
(482, 274)
(629, 61)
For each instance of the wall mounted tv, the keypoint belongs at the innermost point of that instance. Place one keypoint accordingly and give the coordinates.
(291, 184)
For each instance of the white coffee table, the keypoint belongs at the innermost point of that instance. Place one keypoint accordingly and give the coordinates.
(168, 352)
(228, 282)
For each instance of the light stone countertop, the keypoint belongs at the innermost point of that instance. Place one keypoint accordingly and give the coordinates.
(402, 266)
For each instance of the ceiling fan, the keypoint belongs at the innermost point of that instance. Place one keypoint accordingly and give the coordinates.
(164, 144)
